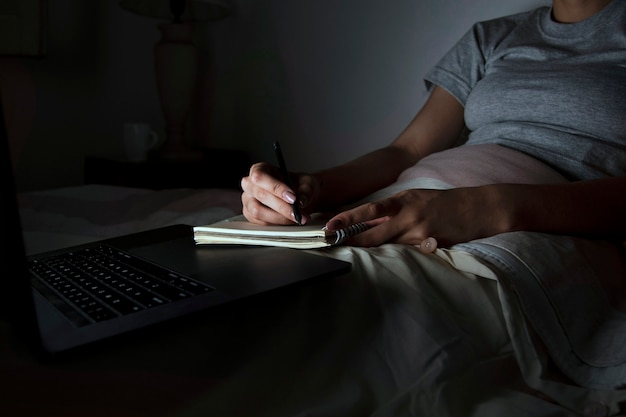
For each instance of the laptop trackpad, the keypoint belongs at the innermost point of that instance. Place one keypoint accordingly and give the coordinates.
(239, 271)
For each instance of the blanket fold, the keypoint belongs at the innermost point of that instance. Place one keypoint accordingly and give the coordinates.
(573, 292)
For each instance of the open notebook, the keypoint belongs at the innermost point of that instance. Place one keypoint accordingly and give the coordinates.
(238, 231)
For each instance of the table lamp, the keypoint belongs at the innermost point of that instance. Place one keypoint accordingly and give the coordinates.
(176, 63)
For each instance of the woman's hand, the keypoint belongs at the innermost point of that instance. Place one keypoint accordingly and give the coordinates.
(412, 216)
(593, 208)
(268, 200)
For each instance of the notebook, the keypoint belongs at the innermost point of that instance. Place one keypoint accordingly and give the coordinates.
(238, 231)
(73, 297)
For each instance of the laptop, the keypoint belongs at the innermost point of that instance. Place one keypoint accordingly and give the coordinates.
(70, 298)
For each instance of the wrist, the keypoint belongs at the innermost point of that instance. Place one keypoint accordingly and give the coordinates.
(321, 192)
(508, 213)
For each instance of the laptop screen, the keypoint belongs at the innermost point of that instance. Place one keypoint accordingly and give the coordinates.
(16, 302)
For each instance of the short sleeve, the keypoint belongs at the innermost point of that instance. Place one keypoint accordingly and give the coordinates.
(460, 68)
(463, 66)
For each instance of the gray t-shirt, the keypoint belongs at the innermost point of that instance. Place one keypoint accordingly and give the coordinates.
(554, 91)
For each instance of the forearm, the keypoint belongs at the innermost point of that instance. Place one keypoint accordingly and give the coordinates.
(590, 208)
(348, 182)
(435, 127)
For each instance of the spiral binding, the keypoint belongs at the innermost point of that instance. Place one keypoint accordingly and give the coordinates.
(343, 234)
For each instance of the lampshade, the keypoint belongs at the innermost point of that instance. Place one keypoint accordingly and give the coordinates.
(188, 9)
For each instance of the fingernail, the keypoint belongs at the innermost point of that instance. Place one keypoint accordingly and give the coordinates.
(289, 197)
(428, 245)
(303, 218)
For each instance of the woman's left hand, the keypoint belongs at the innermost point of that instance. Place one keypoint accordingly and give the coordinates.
(411, 216)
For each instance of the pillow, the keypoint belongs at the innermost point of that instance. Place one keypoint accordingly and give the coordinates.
(469, 166)
(472, 165)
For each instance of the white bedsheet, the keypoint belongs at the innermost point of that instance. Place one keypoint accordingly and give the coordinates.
(404, 334)
(62, 217)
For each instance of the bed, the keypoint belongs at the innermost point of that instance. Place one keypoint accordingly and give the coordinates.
(526, 324)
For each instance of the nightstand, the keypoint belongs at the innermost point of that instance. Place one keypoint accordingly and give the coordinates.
(218, 168)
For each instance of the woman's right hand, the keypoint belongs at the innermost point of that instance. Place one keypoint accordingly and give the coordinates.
(267, 200)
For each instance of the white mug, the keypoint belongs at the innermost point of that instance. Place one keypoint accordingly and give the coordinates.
(139, 138)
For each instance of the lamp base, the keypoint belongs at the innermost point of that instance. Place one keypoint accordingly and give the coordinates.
(176, 65)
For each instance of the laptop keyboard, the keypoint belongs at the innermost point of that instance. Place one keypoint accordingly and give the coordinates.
(100, 283)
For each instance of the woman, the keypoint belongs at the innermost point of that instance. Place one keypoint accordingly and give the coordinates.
(543, 95)
(544, 98)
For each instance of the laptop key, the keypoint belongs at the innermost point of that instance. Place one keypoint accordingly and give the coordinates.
(188, 285)
(104, 283)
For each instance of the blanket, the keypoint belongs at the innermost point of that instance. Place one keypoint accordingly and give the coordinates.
(570, 291)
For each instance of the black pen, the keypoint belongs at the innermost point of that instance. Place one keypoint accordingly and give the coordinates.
(285, 173)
